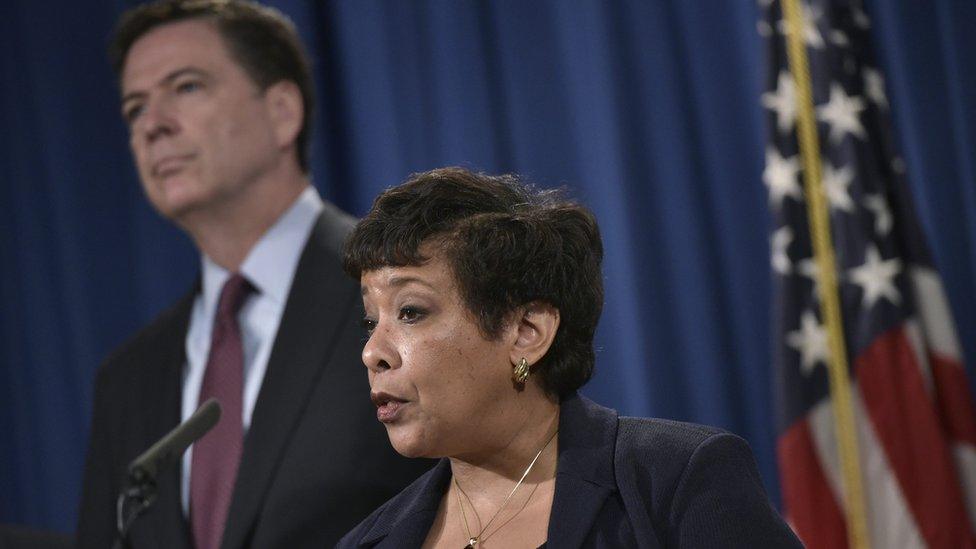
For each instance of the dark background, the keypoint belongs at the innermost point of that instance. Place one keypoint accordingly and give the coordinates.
(647, 111)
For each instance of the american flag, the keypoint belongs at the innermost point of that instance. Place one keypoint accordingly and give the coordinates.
(913, 416)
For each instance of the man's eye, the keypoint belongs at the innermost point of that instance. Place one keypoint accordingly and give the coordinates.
(410, 314)
(130, 114)
(188, 86)
(369, 325)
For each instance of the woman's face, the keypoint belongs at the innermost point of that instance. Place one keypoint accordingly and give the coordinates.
(440, 387)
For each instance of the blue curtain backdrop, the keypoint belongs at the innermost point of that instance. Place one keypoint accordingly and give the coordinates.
(647, 111)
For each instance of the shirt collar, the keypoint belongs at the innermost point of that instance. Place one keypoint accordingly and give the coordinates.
(271, 263)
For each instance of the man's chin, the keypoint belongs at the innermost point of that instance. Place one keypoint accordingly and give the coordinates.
(176, 199)
(178, 213)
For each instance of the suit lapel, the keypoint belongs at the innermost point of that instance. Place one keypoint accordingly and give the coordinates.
(320, 296)
(406, 521)
(584, 474)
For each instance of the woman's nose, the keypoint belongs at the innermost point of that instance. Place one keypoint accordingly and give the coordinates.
(378, 353)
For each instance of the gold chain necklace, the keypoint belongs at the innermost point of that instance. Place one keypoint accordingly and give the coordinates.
(474, 540)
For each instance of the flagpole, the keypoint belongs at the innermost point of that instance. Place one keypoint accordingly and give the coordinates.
(817, 212)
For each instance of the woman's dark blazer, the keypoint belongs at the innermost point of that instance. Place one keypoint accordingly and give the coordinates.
(620, 482)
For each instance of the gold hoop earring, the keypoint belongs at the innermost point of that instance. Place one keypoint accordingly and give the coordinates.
(521, 372)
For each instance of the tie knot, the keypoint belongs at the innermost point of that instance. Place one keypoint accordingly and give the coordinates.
(232, 296)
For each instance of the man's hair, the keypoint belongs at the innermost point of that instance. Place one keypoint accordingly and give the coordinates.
(507, 245)
(261, 39)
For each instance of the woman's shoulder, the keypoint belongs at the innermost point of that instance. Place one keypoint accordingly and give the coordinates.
(695, 483)
(665, 435)
(669, 444)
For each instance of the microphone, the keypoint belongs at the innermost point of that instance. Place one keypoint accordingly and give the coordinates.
(140, 491)
(169, 448)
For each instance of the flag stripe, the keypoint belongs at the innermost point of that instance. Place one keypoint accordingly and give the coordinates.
(892, 523)
(934, 312)
(908, 427)
(966, 464)
(810, 503)
(955, 400)
(920, 351)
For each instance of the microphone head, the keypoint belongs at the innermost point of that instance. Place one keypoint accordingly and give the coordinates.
(209, 408)
(168, 449)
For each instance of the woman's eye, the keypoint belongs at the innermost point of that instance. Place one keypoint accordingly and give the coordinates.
(410, 314)
(369, 325)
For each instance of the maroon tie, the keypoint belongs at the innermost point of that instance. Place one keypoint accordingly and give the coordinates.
(217, 455)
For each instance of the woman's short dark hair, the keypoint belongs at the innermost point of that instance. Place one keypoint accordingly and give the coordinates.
(261, 39)
(507, 244)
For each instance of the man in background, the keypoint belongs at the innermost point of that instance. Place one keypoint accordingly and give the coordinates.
(218, 99)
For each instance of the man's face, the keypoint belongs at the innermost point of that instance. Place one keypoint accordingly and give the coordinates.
(200, 128)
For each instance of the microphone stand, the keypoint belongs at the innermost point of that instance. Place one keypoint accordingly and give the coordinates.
(139, 492)
(133, 501)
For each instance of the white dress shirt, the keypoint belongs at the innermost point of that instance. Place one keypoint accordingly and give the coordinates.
(270, 268)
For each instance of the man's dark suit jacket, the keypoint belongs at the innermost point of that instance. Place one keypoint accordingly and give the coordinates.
(315, 461)
(620, 482)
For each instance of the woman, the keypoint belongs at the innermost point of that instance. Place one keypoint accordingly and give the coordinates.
(482, 297)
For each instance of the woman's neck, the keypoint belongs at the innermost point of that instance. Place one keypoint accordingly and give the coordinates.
(485, 499)
(490, 476)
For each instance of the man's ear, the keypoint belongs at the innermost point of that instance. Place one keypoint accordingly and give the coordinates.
(535, 325)
(286, 111)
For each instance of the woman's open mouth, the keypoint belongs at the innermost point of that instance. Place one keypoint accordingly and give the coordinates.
(387, 406)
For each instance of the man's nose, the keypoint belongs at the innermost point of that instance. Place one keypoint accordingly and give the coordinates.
(157, 120)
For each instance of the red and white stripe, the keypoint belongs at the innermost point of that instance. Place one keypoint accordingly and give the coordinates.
(916, 427)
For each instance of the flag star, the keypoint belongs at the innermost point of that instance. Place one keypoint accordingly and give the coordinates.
(841, 113)
(764, 29)
(810, 32)
(765, 3)
(836, 185)
(810, 341)
(874, 88)
(779, 242)
(861, 19)
(809, 269)
(838, 38)
(898, 165)
(780, 175)
(783, 101)
(882, 214)
(876, 277)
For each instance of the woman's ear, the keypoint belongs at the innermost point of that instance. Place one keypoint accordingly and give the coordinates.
(535, 324)
(286, 111)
